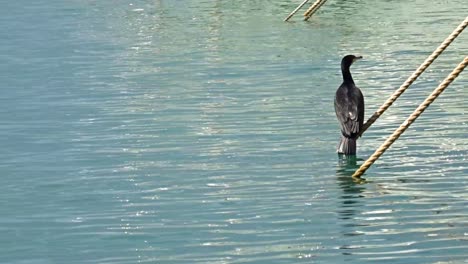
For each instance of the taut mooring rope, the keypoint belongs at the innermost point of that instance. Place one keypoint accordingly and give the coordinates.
(313, 9)
(411, 118)
(415, 75)
(295, 10)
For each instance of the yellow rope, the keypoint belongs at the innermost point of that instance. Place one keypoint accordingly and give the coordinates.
(313, 8)
(295, 10)
(411, 118)
(415, 75)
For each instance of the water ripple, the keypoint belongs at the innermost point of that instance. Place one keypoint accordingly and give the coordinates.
(204, 132)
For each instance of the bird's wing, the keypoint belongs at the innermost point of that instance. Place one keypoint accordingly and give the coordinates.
(350, 112)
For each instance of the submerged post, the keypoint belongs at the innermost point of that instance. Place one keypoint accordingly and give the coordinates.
(415, 75)
(295, 10)
(411, 119)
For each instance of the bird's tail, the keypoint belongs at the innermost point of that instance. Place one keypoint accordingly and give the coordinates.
(347, 146)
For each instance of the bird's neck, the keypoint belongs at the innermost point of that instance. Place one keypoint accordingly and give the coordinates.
(347, 78)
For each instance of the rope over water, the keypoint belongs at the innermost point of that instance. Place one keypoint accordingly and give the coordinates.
(295, 10)
(411, 118)
(315, 6)
(313, 9)
(415, 75)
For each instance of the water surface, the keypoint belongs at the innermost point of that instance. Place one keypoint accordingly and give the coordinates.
(204, 132)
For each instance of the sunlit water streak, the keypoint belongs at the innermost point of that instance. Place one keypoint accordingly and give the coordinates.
(204, 132)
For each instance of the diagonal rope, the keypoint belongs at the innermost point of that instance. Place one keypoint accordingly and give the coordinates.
(295, 10)
(415, 75)
(411, 118)
(313, 9)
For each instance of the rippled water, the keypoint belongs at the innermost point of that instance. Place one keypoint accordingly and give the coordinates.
(204, 132)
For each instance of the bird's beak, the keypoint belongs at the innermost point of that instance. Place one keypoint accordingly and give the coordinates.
(357, 58)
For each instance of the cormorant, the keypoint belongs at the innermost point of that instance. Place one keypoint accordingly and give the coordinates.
(349, 108)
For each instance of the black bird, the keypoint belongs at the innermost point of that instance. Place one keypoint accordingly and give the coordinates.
(349, 108)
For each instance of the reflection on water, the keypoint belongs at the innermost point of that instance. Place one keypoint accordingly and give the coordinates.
(347, 165)
(352, 200)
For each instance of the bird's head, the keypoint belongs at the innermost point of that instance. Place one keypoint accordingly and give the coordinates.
(348, 60)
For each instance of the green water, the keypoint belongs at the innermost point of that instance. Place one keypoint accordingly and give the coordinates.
(204, 132)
